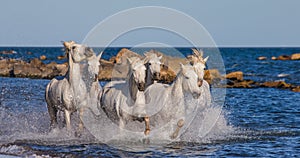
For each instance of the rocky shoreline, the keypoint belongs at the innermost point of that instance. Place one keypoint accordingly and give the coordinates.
(115, 67)
(295, 56)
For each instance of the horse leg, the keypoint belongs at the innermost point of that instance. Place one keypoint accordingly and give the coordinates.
(80, 125)
(53, 116)
(180, 123)
(68, 121)
(121, 124)
(147, 125)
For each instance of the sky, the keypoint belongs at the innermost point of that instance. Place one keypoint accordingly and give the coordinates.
(230, 23)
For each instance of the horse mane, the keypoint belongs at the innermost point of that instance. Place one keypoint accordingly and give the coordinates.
(133, 89)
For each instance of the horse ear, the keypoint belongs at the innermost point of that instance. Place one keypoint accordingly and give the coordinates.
(181, 66)
(145, 60)
(99, 56)
(129, 60)
(160, 57)
(146, 54)
(68, 44)
(205, 60)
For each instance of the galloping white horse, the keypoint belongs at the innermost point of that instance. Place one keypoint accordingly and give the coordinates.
(125, 101)
(153, 65)
(169, 100)
(73, 92)
(199, 64)
(196, 109)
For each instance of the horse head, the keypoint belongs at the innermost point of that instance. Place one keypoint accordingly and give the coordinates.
(77, 52)
(137, 70)
(153, 64)
(190, 80)
(93, 65)
(198, 63)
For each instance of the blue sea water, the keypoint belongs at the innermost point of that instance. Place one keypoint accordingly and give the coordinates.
(265, 121)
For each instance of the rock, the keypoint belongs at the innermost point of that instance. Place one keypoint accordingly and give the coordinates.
(46, 72)
(262, 58)
(167, 75)
(123, 54)
(276, 84)
(296, 89)
(5, 67)
(61, 57)
(43, 57)
(105, 70)
(274, 58)
(7, 52)
(62, 69)
(51, 65)
(212, 76)
(57, 69)
(112, 59)
(36, 62)
(238, 75)
(26, 70)
(240, 84)
(284, 57)
(295, 56)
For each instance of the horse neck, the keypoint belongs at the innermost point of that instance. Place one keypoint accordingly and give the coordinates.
(133, 89)
(73, 70)
(177, 90)
(149, 77)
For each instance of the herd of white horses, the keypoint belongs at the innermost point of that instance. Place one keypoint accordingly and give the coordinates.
(138, 98)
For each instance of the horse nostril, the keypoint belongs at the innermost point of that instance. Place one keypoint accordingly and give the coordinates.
(156, 75)
(141, 86)
(200, 82)
(196, 95)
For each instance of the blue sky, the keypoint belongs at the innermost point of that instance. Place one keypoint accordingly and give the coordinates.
(230, 22)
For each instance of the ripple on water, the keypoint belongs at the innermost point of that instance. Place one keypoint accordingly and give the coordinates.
(265, 122)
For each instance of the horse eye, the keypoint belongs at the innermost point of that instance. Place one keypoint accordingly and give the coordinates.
(187, 77)
(149, 63)
(74, 47)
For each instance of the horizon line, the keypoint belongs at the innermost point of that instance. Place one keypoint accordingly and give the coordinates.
(176, 46)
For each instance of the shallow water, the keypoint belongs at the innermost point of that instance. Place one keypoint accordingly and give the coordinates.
(265, 122)
(260, 122)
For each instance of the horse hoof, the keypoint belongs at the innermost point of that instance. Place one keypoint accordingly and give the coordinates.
(146, 141)
(54, 130)
(174, 135)
(78, 134)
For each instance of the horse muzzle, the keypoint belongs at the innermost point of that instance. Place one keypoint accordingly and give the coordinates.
(141, 86)
(156, 76)
(196, 95)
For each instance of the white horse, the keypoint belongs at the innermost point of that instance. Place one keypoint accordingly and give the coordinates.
(124, 101)
(199, 64)
(72, 92)
(169, 101)
(195, 110)
(153, 65)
